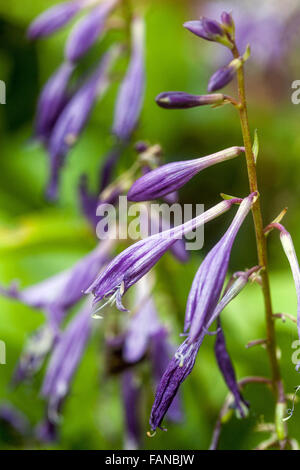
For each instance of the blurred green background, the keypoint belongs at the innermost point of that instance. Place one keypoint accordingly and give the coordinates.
(37, 239)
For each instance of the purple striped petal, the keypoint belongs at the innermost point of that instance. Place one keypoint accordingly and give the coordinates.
(131, 94)
(86, 32)
(65, 360)
(133, 263)
(209, 280)
(52, 101)
(53, 19)
(227, 369)
(172, 176)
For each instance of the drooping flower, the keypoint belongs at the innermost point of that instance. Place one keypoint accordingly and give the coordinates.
(142, 325)
(183, 360)
(53, 99)
(65, 359)
(134, 262)
(172, 176)
(208, 29)
(209, 280)
(75, 115)
(54, 19)
(181, 100)
(87, 30)
(131, 392)
(177, 371)
(227, 369)
(46, 431)
(60, 292)
(224, 75)
(131, 94)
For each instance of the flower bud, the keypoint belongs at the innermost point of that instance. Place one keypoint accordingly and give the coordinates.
(224, 75)
(208, 29)
(181, 100)
(227, 22)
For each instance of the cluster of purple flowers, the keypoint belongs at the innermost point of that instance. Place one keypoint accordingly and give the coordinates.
(64, 108)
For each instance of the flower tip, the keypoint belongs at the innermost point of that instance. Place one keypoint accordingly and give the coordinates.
(151, 433)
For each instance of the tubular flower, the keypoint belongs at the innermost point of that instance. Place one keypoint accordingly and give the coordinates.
(54, 19)
(52, 101)
(209, 280)
(87, 30)
(75, 115)
(65, 359)
(134, 262)
(131, 94)
(181, 100)
(172, 176)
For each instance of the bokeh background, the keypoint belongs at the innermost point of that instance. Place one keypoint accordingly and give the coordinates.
(37, 239)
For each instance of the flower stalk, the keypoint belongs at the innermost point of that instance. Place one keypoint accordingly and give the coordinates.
(260, 237)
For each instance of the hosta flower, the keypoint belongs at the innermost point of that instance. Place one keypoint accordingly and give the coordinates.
(87, 30)
(226, 367)
(65, 359)
(75, 115)
(54, 18)
(131, 94)
(15, 418)
(60, 292)
(179, 368)
(172, 176)
(209, 280)
(142, 325)
(184, 358)
(181, 100)
(134, 262)
(53, 99)
(208, 29)
(46, 431)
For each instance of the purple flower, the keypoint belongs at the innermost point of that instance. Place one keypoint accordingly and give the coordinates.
(87, 30)
(134, 262)
(75, 115)
(226, 367)
(53, 99)
(209, 280)
(224, 75)
(131, 392)
(142, 325)
(227, 22)
(181, 100)
(208, 29)
(131, 94)
(172, 176)
(177, 371)
(46, 431)
(53, 19)
(15, 418)
(65, 359)
(60, 292)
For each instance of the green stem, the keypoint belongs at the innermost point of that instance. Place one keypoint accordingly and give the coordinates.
(260, 237)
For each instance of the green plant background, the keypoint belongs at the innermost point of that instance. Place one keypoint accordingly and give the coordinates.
(38, 239)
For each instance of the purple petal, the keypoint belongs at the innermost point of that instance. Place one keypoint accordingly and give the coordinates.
(221, 78)
(86, 32)
(53, 19)
(181, 100)
(173, 176)
(131, 94)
